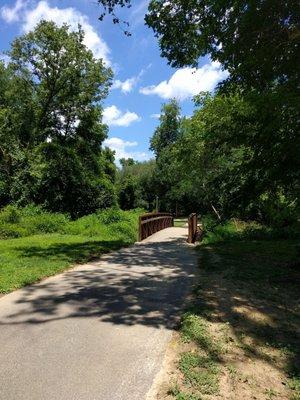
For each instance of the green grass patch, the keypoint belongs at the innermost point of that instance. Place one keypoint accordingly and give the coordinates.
(200, 368)
(195, 328)
(200, 372)
(28, 259)
(180, 222)
(272, 263)
(182, 395)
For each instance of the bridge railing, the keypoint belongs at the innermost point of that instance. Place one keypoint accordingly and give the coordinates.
(153, 222)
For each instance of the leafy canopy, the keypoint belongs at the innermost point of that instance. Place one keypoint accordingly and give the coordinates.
(50, 123)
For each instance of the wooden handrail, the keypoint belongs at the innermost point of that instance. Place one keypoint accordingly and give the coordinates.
(154, 219)
(153, 222)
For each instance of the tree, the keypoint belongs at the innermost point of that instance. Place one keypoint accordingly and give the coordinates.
(162, 144)
(54, 93)
(237, 159)
(169, 128)
(136, 184)
(256, 41)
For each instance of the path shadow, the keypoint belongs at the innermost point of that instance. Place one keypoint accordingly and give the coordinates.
(142, 284)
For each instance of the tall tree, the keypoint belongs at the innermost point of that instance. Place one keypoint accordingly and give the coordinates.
(54, 98)
(244, 155)
(162, 144)
(169, 128)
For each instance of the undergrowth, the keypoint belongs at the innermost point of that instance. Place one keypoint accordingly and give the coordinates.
(234, 230)
(35, 244)
(33, 220)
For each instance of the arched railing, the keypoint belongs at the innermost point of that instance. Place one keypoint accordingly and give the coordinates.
(153, 222)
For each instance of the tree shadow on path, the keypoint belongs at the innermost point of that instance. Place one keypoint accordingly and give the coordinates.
(142, 284)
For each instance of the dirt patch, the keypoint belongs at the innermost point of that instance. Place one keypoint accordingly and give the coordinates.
(245, 344)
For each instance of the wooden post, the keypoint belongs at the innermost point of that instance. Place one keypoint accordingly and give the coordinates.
(192, 224)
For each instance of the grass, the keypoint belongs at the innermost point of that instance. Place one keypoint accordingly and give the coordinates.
(199, 365)
(180, 222)
(242, 325)
(29, 258)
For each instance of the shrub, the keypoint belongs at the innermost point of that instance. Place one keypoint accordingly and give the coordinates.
(251, 230)
(45, 223)
(32, 220)
(10, 215)
(112, 215)
(10, 231)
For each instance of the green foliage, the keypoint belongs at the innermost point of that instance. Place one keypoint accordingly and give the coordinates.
(232, 230)
(33, 220)
(9, 214)
(171, 190)
(17, 222)
(194, 328)
(29, 253)
(136, 184)
(236, 157)
(50, 124)
(257, 42)
(169, 128)
(238, 154)
(200, 368)
(201, 372)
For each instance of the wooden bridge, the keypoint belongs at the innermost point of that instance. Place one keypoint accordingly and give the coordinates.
(153, 222)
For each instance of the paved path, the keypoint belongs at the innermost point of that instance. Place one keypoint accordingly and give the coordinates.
(98, 331)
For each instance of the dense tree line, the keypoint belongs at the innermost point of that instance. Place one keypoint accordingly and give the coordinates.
(50, 124)
(238, 155)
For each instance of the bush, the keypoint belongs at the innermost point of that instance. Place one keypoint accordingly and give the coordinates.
(112, 215)
(45, 223)
(10, 231)
(10, 215)
(242, 230)
(31, 220)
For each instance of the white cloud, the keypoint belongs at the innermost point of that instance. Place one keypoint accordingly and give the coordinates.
(12, 14)
(121, 146)
(155, 116)
(125, 86)
(113, 116)
(70, 16)
(188, 82)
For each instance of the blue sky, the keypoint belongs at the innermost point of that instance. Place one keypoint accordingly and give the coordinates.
(142, 79)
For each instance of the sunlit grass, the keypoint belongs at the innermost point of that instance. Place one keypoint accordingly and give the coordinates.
(28, 259)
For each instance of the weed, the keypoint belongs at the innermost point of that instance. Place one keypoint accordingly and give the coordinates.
(271, 394)
(194, 327)
(175, 391)
(232, 371)
(201, 372)
(294, 385)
